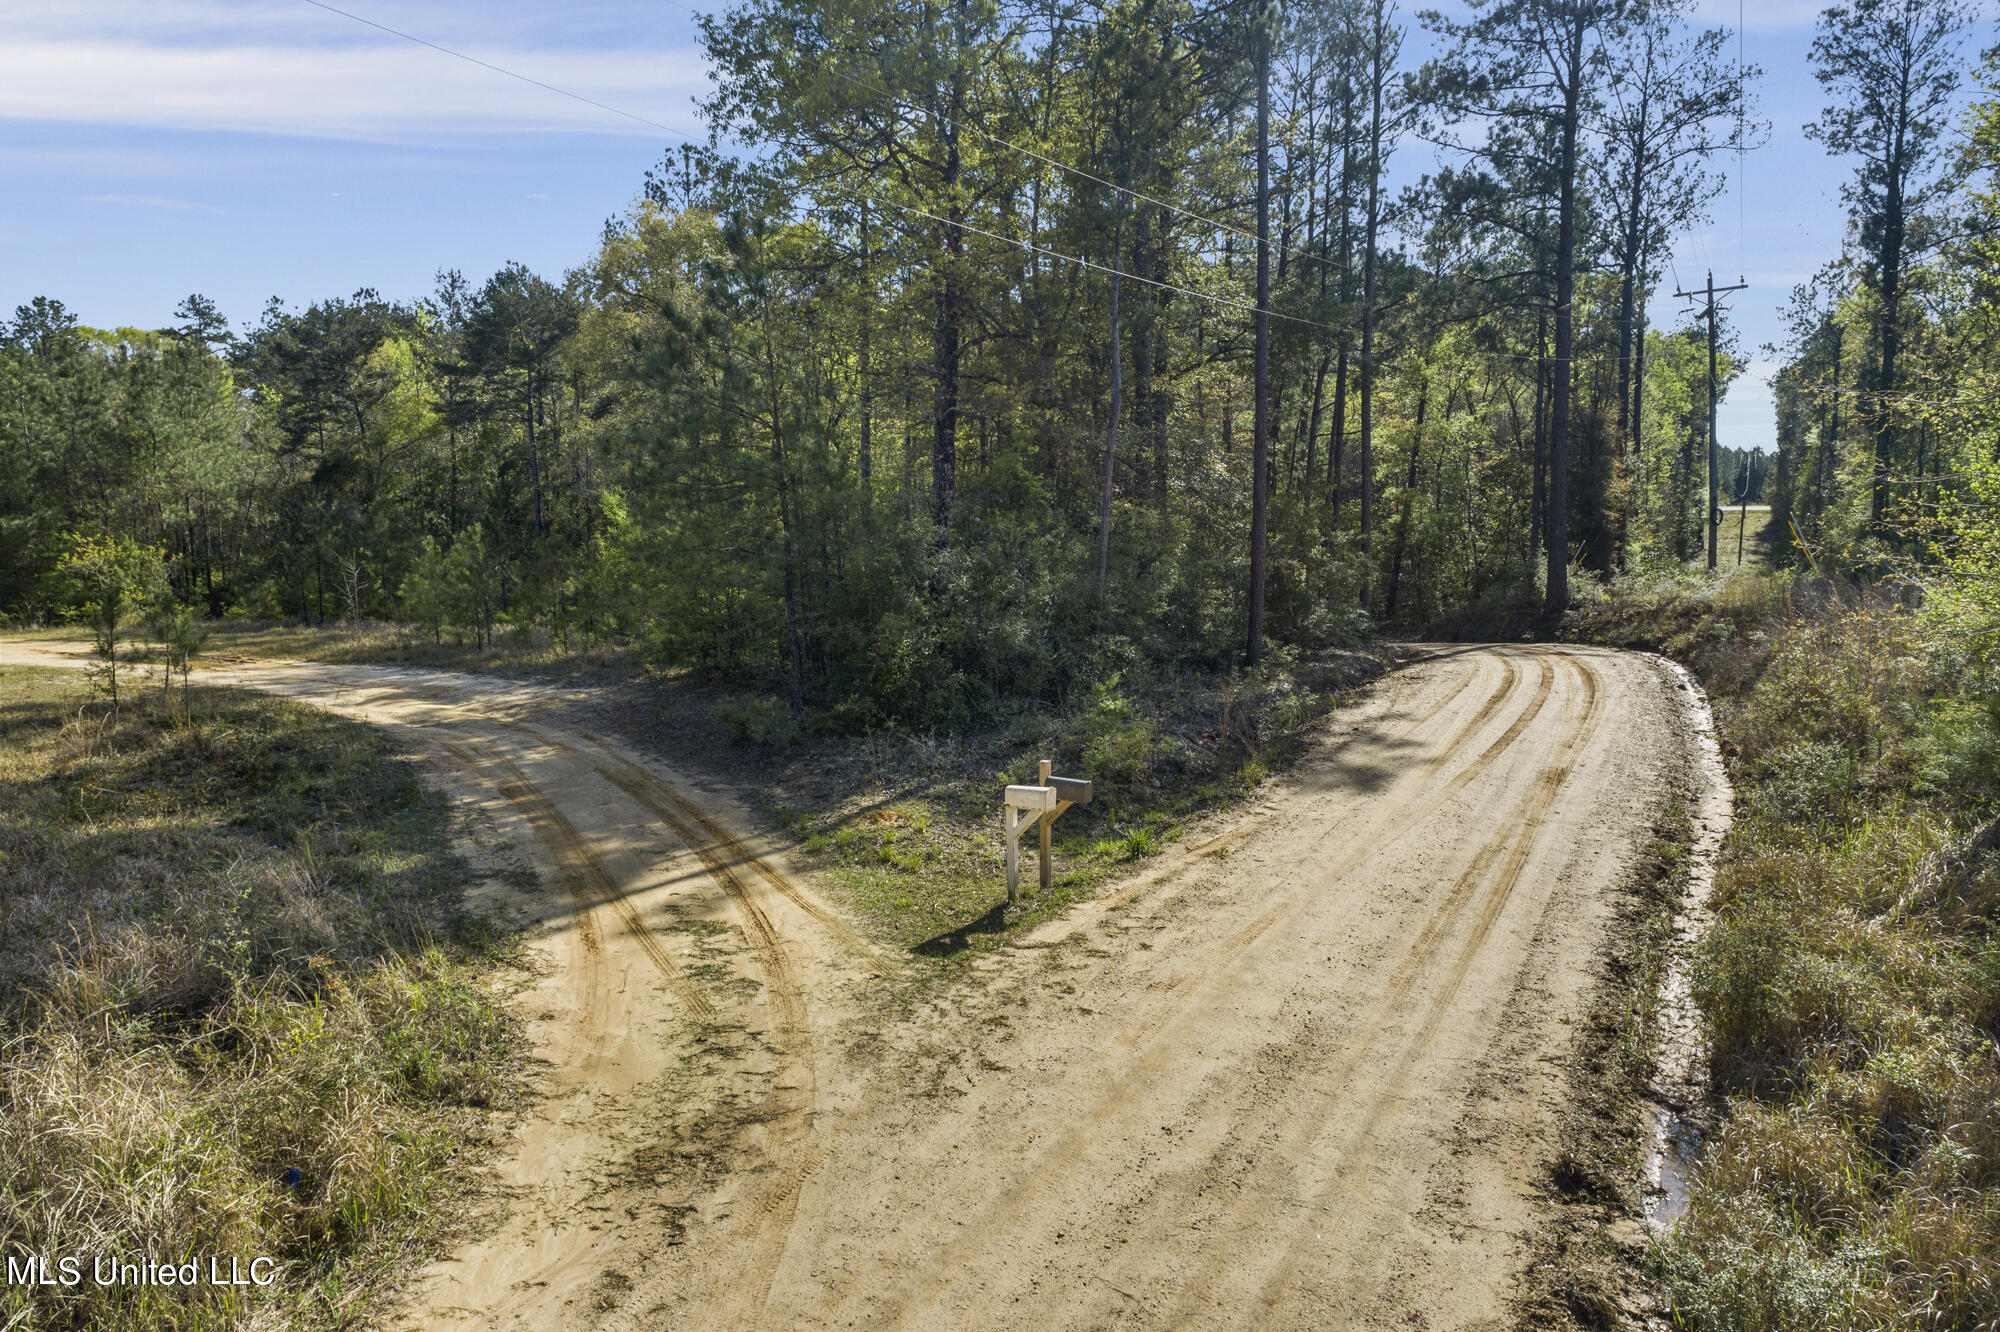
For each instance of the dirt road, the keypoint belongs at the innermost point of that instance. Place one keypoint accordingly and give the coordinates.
(1301, 1073)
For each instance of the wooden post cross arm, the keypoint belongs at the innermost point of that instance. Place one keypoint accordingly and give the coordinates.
(1046, 801)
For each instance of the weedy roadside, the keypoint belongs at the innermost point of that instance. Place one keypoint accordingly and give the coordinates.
(1850, 984)
(903, 823)
(905, 827)
(243, 1010)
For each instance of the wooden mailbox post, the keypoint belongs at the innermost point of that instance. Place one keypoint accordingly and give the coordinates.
(1044, 803)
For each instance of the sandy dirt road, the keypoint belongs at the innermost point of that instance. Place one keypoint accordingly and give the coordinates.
(1301, 1073)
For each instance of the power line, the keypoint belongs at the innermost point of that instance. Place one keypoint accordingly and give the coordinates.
(1740, 96)
(497, 69)
(1102, 268)
(1043, 158)
(682, 134)
(966, 226)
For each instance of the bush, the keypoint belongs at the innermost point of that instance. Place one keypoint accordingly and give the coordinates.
(769, 722)
(1118, 744)
(457, 587)
(1851, 981)
(1807, 782)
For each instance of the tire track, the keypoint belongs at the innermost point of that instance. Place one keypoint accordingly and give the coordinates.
(1274, 1157)
(1155, 1062)
(1225, 842)
(1388, 830)
(660, 797)
(1511, 672)
(1352, 1152)
(581, 870)
(791, 1111)
(785, 990)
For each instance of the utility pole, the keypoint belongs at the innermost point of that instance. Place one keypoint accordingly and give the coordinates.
(1709, 293)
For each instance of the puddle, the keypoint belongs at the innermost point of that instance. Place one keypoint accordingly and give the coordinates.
(1680, 1085)
(1677, 1146)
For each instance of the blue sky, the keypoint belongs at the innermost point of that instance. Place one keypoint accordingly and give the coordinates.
(266, 147)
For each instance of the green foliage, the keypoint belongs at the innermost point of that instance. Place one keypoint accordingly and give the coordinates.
(105, 582)
(1962, 599)
(456, 588)
(1141, 842)
(182, 636)
(1118, 743)
(1851, 982)
(760, 721)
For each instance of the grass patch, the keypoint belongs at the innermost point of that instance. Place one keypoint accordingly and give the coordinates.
(903, 823)
(242, 1012)
(906, 827)
(528, 653)
(1851, 983)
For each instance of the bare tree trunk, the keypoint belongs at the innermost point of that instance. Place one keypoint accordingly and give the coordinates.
(1377, 78)
(1638, 428)
(1628, 280)
(1409, 498)
(1260, 448)
(867, 373)
(1336, 444)
(949, 336)
(1891, 341)
(1538, 502)
(1110, 443)
(1558, 576)
(534, 458)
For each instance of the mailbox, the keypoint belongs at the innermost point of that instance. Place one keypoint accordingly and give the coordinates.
(1043, 803)
(1071, 790)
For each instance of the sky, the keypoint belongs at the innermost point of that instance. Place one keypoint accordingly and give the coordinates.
(246, 149)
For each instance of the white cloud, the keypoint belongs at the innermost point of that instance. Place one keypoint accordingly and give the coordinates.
(522, 24)
(153, 202)
(299, 71)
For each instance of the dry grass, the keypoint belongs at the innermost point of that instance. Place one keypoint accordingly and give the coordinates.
(1851, 984)
(530, 652)
(228, 953)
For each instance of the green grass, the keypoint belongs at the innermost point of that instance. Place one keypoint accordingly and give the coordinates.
(230, 950)
(927, 876)
(1741, 540)
(906, 828)
(1851, 983)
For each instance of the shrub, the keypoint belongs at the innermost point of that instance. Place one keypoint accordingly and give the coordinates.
(1851, 981)
(769, 722)
(1118, 742)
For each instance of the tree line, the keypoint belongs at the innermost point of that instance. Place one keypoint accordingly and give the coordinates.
(1886, 430)
(1025, 342)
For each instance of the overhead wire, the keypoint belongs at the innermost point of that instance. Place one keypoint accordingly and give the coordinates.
(683, 134)
(1077, 171)
(1741, 249)
(498, 69)
(1086, 264)
(1103, 268)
